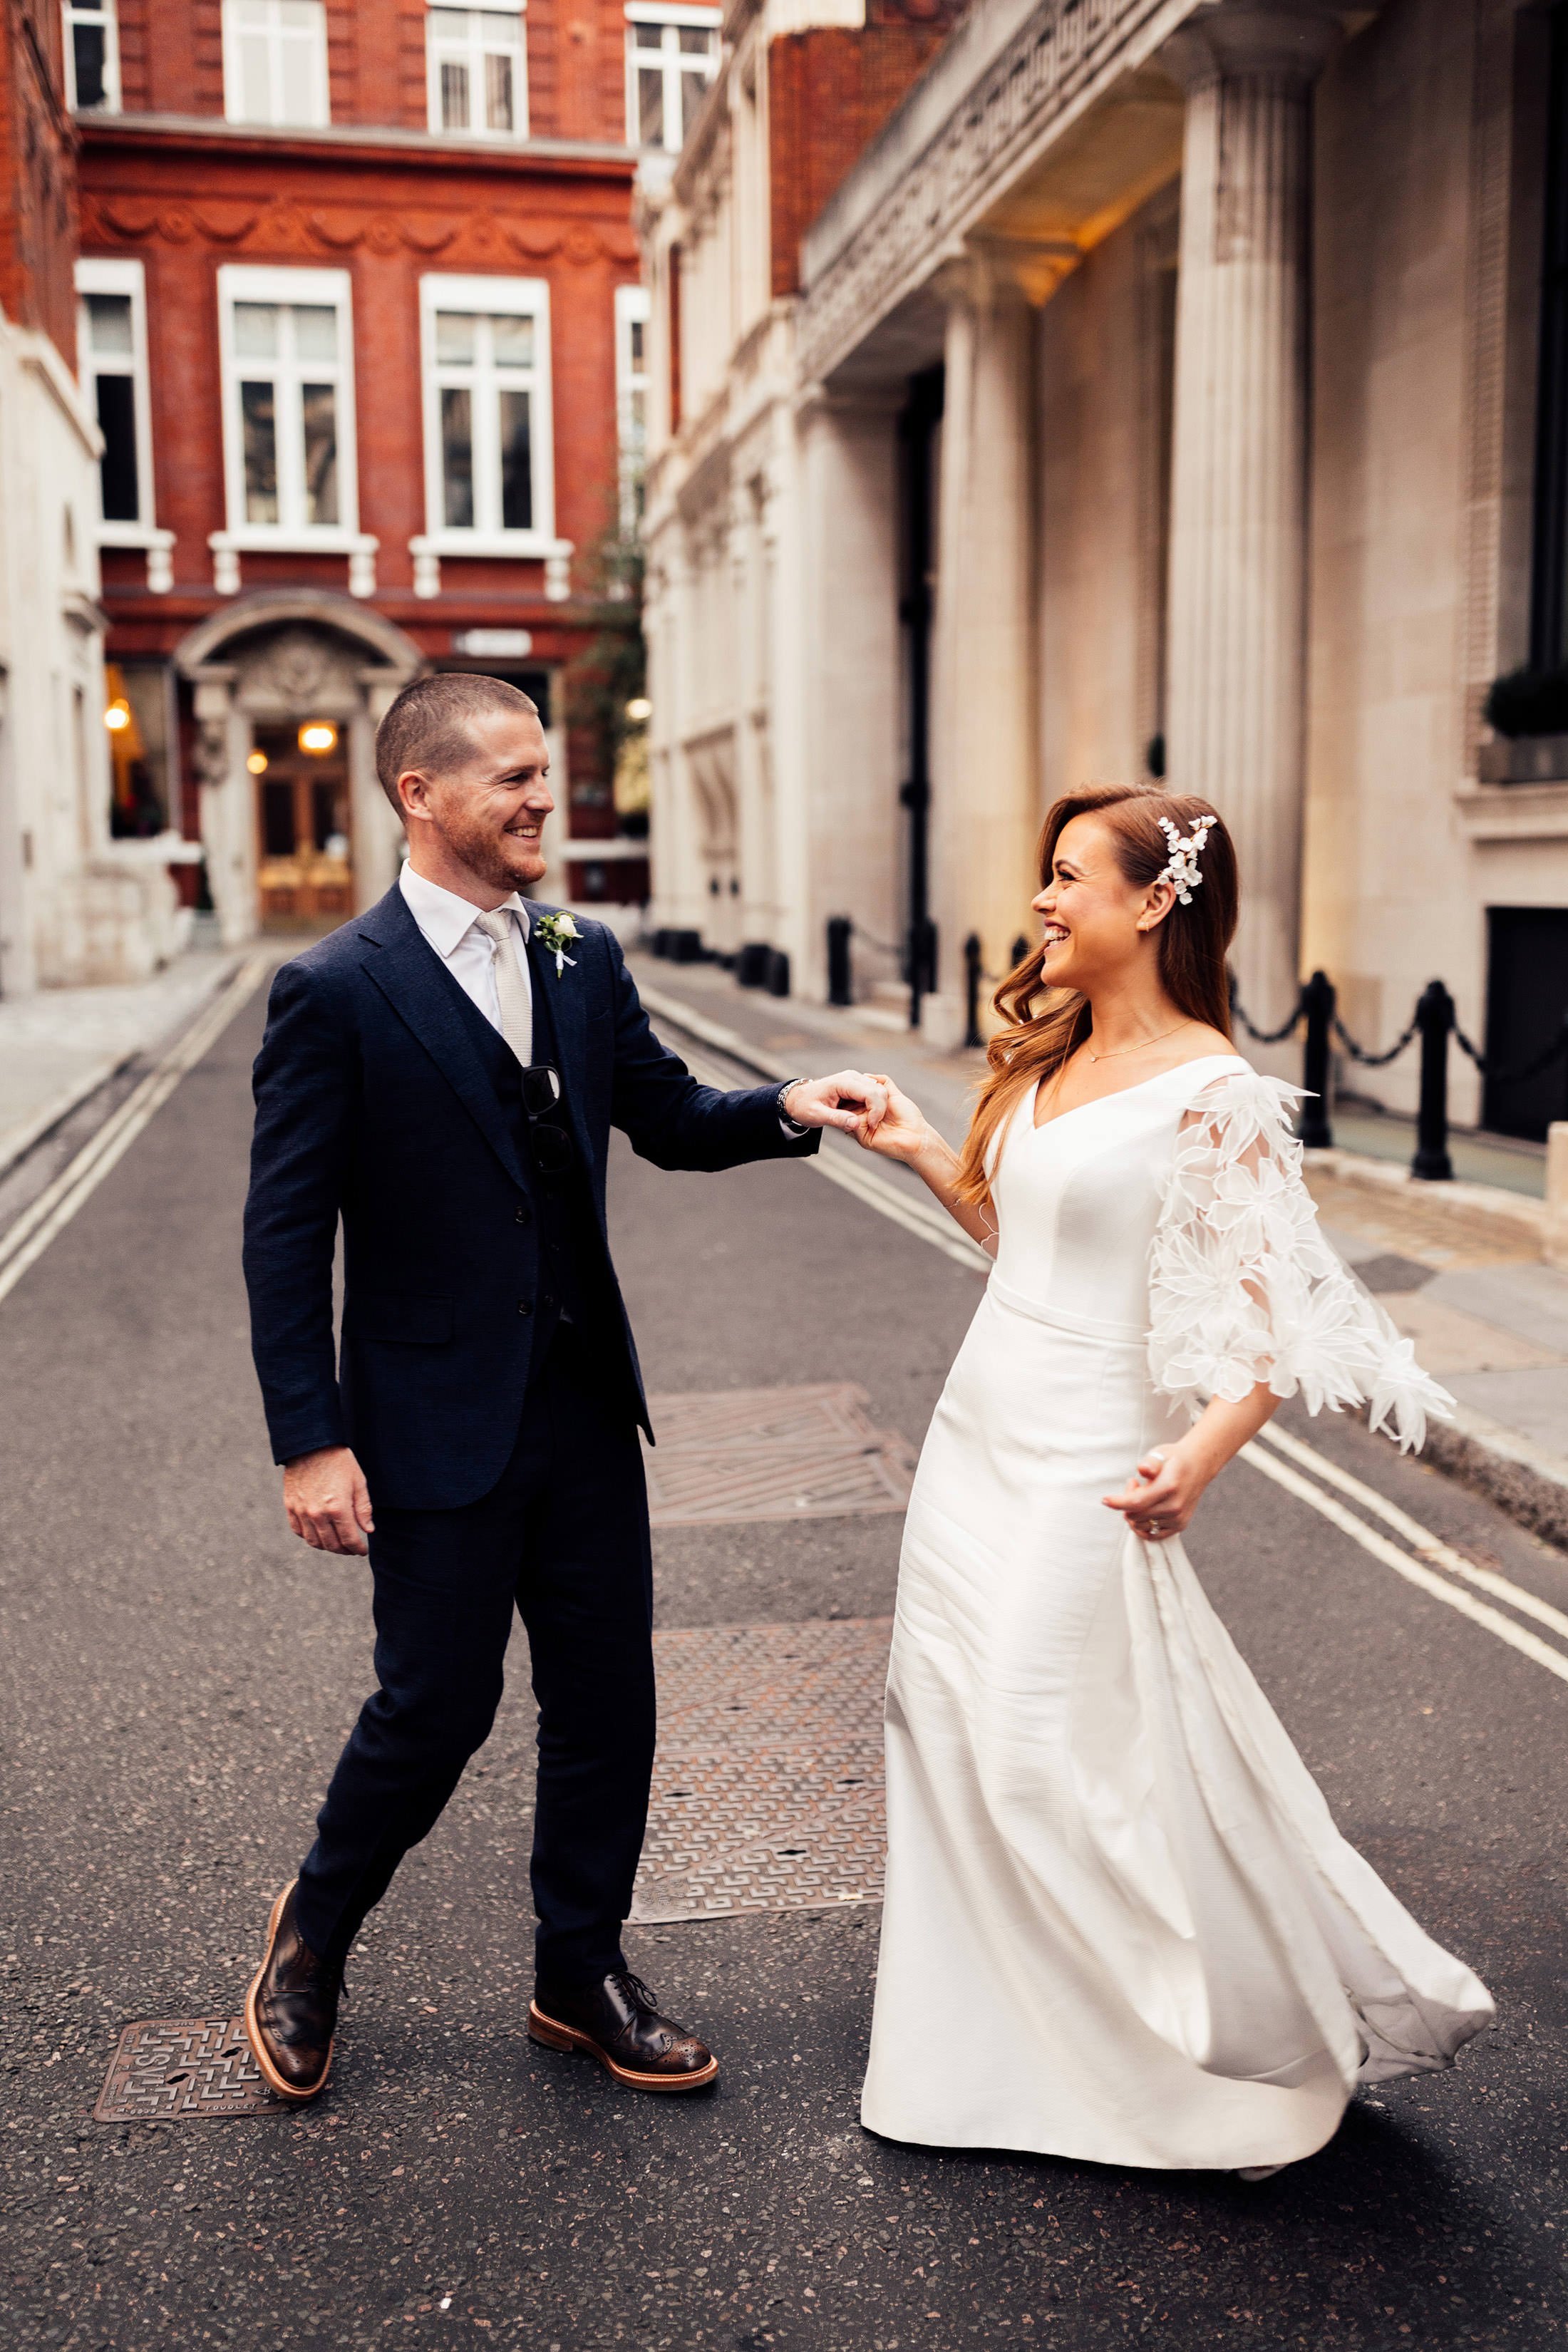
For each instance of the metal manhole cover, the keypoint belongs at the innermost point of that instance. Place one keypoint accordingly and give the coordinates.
(182, 2069)
(773, 1454)
(768, 1789)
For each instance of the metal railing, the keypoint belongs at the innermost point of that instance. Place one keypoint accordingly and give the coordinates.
(1433, 1020)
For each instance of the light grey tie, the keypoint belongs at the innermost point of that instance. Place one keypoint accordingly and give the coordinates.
(511, 988)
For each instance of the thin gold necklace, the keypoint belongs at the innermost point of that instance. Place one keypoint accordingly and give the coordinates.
(1138, 1048)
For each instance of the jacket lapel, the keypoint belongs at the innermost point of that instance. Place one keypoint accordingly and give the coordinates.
(560, 997)
(425, 996)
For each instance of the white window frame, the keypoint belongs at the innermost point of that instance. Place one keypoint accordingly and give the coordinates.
(476, 53)
(94, 12)
(121, 278)
(670, 20)
(634, 306)
(495, 298)
(233, 78)
(238, 282)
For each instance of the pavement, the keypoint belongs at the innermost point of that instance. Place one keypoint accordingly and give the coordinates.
(60, 1046)
(178, 1674)
(1456, 1266)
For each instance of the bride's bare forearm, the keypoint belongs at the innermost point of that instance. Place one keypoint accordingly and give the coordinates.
(1222, 1429)
(936, 1164)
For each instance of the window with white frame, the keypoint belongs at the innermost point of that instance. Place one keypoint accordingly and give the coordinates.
(289, 428)
(275, 61)
(632, 309)
(92, 56)
(673, 55)
(112, 330)
(477, 67)
(489, 479)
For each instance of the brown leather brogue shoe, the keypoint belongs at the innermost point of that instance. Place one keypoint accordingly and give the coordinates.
(291, 2008)
(618, 2023)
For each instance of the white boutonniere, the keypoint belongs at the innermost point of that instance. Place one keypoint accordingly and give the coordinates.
(554, 933)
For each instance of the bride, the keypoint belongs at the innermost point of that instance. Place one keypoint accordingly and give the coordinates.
(1120, 1922)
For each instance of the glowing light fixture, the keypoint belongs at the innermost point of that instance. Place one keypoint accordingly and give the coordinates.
(256, 763)
(316, 738)
(117, 718)
(639, 708)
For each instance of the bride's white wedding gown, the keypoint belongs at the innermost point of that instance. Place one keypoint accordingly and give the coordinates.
(1120, 1922)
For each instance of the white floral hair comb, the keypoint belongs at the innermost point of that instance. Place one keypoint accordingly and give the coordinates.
(1181, 868)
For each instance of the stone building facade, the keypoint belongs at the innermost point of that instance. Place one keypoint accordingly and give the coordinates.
(356, 339)
(1169, 389)
(75, 904)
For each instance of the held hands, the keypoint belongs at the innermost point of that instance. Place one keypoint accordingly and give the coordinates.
(848, 1099)
(328, 1501)
(902, 1132)
(1162, 1494)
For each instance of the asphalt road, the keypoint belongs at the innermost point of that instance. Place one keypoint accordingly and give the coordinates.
(177, 1676)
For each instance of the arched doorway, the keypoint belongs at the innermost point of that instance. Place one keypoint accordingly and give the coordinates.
(287, 690)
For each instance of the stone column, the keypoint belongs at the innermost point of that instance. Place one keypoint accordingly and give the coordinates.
(1236, 695)
(984, 805)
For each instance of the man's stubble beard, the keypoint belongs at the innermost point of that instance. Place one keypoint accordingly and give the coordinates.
(487, 860)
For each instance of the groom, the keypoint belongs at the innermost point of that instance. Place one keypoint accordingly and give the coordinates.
(440, 1077)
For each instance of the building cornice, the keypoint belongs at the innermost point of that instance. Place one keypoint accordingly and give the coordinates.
(1003, 91)
(377, 142)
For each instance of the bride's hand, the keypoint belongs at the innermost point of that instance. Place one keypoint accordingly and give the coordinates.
(901, 1133)
(1162, 1494)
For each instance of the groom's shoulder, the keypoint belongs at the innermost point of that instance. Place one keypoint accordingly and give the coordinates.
(327, 971)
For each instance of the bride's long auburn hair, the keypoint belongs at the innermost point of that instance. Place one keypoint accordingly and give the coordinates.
(1033, 1042)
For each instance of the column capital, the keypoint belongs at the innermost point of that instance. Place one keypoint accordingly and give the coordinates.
(987, 271)
(1233, 41)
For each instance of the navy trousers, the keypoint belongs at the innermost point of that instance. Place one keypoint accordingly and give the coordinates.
(562, 1538)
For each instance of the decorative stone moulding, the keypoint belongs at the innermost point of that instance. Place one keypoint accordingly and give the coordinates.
(285, 228)
(1061, 47)
(228, 546)
(426, 552)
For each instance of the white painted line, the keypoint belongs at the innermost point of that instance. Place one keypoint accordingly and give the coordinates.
(57, 1203)
(1420, 1539)
(916, 1216)
(1415, 1571)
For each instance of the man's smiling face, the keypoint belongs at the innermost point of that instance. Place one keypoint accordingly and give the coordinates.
(488, 815)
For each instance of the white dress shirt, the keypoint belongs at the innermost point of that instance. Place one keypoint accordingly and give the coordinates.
(448, 924)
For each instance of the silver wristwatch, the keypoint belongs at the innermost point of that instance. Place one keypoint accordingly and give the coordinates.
(793, 1125)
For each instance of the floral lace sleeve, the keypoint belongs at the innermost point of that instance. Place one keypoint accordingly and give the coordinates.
(1243, 1287)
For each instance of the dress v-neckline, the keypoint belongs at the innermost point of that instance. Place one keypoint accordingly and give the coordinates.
(1039, 1125)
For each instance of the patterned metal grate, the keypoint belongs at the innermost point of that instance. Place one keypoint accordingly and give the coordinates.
(773, 1454)
(182, 2070)
(767, 1791)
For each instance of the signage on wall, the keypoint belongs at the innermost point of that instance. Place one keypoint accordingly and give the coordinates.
(495, 642)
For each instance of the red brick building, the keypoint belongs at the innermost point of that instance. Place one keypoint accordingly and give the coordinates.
(359, 322)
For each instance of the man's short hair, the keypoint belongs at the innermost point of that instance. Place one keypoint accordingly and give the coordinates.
(427, 728)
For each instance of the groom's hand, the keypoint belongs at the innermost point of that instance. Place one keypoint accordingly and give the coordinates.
(847, 1099)
(326, 1500)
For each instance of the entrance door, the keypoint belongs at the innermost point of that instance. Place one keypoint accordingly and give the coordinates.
(305, 870)
(1527, 1000)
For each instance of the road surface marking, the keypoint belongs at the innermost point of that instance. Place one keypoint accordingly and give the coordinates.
(1415, 1571)
(916, 1216)
(57, 1203)
(1421, 1539)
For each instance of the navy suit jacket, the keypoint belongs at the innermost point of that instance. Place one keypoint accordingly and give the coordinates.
(374, 1107)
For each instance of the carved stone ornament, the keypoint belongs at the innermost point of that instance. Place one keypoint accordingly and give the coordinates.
(296, 673)
(1062, 48)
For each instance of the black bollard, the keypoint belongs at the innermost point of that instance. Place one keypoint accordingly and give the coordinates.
(840, 989)
(1435, 1020)
(1317, 1003)
(972, 978)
